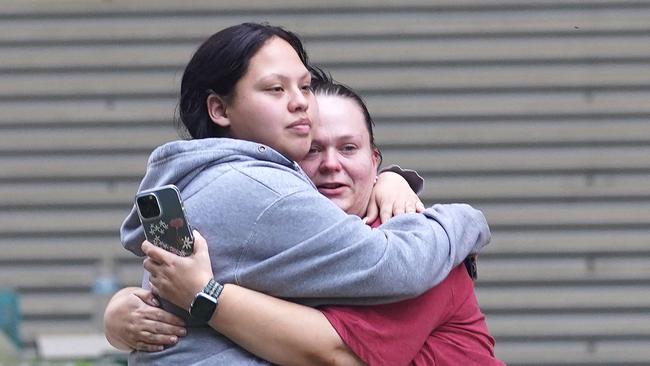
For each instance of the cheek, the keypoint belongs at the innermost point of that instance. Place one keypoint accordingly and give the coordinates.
(310, 166)
(313, 111)
(363, 174)
(261, 109)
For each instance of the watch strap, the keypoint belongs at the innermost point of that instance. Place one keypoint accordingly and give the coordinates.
(213, 288)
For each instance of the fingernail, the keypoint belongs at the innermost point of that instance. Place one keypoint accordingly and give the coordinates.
(155, 301)
(183, 332)
(173, 339)
(365, 219)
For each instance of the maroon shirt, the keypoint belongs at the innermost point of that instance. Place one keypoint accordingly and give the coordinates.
(443, 326)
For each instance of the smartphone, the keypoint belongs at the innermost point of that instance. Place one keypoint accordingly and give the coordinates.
(163, 218)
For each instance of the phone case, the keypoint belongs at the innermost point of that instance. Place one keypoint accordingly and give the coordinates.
(168, 230)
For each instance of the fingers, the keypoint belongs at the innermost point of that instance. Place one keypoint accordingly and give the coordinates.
(398, 207)
(372, 213)
(155, 268)
(146, 347)
(386, 212)
(157, 254)
(146, 247)
(409, 207)
(154, 341)
(148, 298)
(200, 244)
(151, 334)
(167, 322)
(177, 279)
(156, 320)
(154, 289)
(151, 342)
(150, 266)
(414, 206)
(149, 328)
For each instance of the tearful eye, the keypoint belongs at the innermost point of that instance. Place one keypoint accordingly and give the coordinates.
(313, 150)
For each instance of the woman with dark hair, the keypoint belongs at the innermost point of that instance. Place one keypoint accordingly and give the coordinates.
(444, 326)
(267, 226)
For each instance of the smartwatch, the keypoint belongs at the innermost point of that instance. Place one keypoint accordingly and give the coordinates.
(205, 302)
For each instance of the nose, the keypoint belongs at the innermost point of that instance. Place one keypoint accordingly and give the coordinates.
(330, 162)
(299, 101)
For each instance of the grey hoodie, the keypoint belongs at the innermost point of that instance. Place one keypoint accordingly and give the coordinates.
(269, 229)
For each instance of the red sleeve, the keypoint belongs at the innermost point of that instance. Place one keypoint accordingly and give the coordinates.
(392, 334)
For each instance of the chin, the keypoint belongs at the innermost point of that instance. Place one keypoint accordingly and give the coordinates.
(338, 203)
(296, 154)
(346, 207)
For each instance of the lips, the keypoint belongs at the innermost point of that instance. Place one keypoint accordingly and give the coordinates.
(301, 126)
(331, 189)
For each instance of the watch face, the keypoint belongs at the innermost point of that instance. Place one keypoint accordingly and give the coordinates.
(203, 307)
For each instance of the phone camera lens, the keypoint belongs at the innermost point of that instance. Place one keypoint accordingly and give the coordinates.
(148, 206)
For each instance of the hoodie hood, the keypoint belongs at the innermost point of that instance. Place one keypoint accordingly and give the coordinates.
(179, 162)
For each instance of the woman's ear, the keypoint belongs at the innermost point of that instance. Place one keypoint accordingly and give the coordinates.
(375, 157)
(217, 110)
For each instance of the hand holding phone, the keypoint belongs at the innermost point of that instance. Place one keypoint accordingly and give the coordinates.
(163, 218)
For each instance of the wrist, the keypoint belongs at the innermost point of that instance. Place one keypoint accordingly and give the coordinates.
(205, 302)
(195, 287)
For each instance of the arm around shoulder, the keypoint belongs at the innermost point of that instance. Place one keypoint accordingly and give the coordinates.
(340, 259)
(279, 331)
(466, 227)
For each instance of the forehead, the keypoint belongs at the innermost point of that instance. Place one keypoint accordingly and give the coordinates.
(276, 56)
(339, 117)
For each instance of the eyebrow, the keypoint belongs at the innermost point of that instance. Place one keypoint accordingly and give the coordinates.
(282, 76)
(347, 137)
(344, 138)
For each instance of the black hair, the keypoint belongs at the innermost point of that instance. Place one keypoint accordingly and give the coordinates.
(322, 83)
(216, 67)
